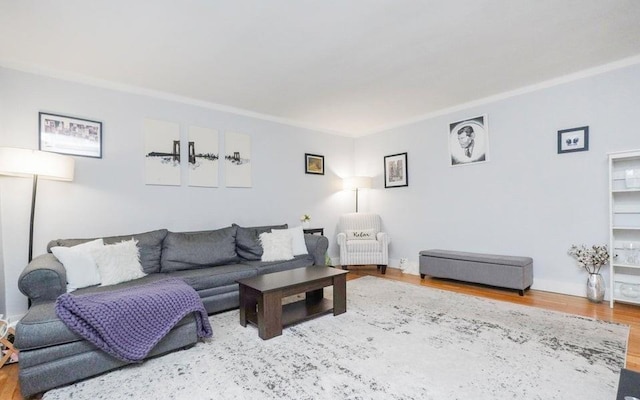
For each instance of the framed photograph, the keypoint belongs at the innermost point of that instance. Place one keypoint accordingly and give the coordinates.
(575, 139)
(469, 141)
(396, 171)
(69, 135)
(313, 164)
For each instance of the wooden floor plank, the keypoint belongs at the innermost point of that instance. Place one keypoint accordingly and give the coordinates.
(622, 313)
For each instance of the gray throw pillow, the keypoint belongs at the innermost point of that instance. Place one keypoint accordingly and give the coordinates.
(189, 250)
(248, 240)
(149, 245)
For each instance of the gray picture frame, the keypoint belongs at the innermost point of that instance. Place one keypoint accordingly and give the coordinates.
(69, 135)
(573, 140)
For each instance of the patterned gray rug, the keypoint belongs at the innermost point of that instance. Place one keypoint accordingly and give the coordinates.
(396, 341)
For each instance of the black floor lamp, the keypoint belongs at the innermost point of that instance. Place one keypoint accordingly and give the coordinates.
(356, 183)
(36, 164)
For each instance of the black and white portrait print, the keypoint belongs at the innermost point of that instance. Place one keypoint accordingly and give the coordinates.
(469, 141)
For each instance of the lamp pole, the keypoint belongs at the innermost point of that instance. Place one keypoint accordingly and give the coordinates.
(33, 212)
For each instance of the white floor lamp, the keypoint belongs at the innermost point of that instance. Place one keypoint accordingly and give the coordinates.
(355, 183)
(35, 164)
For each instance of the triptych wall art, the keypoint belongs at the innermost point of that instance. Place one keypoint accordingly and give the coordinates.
(163, 156)
(237, 160)
(162, 152)
(203, 157)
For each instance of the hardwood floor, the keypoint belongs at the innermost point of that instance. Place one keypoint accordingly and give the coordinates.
(622, 313)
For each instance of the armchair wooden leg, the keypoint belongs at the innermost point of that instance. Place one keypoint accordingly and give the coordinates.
(344, 267)
(382, 268)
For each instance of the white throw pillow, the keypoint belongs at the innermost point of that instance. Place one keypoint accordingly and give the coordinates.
(297, 240)
(276, 246)
(118, 262)
(82, 270)
(361, 234)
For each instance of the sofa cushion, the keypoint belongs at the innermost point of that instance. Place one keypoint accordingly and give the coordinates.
(276, 246)
(118, 262)
(212, 277)
(189, 250)
(297, 240)
(248, 242)
(149, 243)
(305, 260)
(82, 270)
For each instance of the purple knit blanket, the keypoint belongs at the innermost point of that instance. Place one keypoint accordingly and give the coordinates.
(127, 323)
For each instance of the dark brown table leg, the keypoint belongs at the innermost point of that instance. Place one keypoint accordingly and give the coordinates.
(270, 315)
(243, 305)
(339, 294)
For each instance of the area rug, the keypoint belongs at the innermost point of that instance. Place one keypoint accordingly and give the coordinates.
(396, 341)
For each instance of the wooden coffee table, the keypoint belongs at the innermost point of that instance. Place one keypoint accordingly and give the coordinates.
(261, 298)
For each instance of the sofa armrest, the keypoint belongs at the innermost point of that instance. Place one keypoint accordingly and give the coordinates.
(317, 246)
(43, 279)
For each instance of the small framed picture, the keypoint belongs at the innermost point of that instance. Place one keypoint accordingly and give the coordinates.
(575, 139)
(69, 135)
(396, 171)
(313, 164)
(469, 141)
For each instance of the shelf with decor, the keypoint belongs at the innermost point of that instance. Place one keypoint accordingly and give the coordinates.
(624, 227)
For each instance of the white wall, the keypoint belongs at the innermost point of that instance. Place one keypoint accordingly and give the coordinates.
(108, 196)
(527, 200)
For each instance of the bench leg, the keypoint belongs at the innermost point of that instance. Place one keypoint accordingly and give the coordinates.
(422, 276)
(521, 292)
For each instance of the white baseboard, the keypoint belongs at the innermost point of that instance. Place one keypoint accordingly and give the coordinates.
(572, 289)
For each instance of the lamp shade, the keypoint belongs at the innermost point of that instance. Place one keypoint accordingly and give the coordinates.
(357, 182)
(27, 162)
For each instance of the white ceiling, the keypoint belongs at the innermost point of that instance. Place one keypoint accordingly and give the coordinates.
(347, 66)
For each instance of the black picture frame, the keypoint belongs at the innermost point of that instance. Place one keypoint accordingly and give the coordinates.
(573, 140)
(69, 135)
(313, 164)
(396, 171)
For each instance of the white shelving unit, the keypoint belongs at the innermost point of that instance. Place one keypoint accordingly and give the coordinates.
(624, 223)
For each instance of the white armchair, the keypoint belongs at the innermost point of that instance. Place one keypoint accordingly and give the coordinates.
(361, 242)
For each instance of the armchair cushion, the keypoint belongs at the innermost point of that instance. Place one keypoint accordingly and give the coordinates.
(363, 245)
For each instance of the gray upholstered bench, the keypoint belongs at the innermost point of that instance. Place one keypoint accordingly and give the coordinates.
(489, 269)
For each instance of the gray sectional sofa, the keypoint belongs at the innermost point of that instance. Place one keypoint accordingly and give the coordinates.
(210, 261)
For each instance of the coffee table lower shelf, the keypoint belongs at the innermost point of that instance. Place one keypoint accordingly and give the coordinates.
(298, 311)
